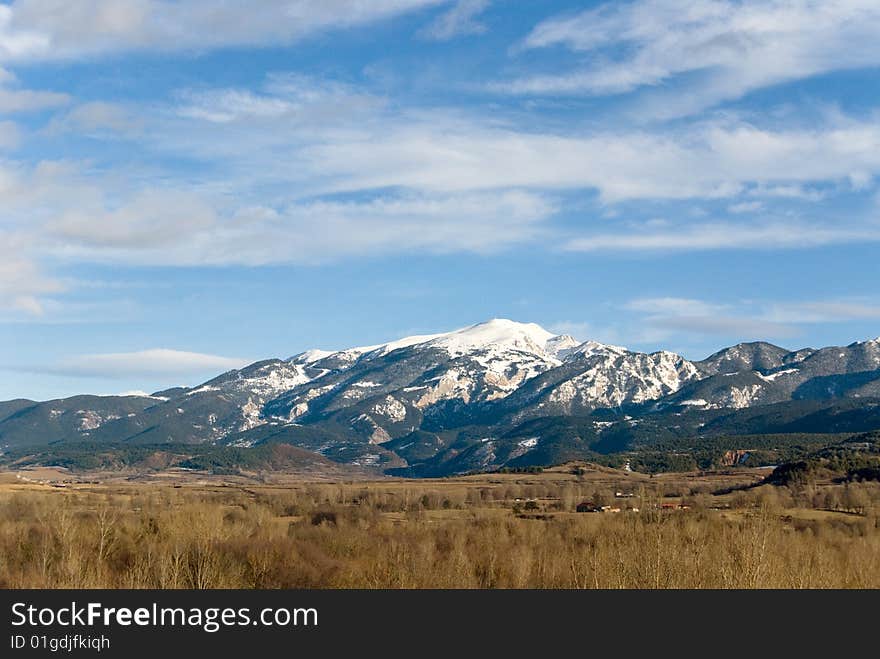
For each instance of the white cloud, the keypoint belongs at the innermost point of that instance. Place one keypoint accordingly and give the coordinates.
(662, 322)
(708, 160)
(64, 213)
(98, 119)
(26, 100)
(233, 105)
(435, 181)
(739, 328)
(10, 135)
(76, 216)
(726, 236)
(823, 311)
(173, 229)
(673, 306)
(16, 41)
(669, 316)
(787, 192)
(14, 99)
(145, 363)
(150, 220)
(22, 282)
(727, 48)
(60, 29)
(323, 137)
(290, 98)
(745, 207)
(460, 20)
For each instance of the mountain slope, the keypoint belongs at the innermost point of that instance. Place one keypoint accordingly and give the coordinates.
(70, 419)
(595, 376)
(757, 356)
(484, 396)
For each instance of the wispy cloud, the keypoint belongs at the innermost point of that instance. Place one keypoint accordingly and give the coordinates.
(177, 229)
(323, 136)
(741, 329)
(10, 135)
(824, 311)
(26, 100)
(144, 363)
(97, 119)
(53, 29)
(295, 100)
(460, 20)
(709, 160)
(23, 284)
(727, 48)
(772, 235)
(310, 171)
(68, 214)
(676, 306)
(674, 317)
(668, 317)
(14, 99)
(745, 207)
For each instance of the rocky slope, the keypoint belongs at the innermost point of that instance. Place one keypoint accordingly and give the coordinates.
(413, 401)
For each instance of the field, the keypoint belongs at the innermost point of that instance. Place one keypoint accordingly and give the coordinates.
(519, 530)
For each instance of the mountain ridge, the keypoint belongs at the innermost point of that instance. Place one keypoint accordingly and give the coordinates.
(414, 399)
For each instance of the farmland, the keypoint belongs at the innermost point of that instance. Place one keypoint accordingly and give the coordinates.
(513, 530)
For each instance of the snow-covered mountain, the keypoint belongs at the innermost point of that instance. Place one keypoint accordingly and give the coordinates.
(764, 374)
(596, 375)
(385, 390)
(415, 399)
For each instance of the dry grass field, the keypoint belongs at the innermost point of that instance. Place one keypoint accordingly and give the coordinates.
(712, 530)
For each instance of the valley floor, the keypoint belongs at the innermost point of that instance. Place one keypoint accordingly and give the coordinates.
(696, 530)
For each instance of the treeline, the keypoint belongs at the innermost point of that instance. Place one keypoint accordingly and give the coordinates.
(665, 454)
(220, 460)
(856, 459)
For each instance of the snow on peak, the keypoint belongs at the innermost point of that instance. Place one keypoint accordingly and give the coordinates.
(353, 354)
(590, 348)
(561, 346)
(405, 342)
(137, 393)
(498, 332)
(310, 356)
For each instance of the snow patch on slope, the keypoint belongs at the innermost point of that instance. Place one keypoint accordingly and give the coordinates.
(773, 376)
(391, 409)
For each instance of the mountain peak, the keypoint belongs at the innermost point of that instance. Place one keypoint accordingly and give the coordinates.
(503, 328)
(754, 355)
(561, 346)
(590, 348)
(310, 356)
(499, 332)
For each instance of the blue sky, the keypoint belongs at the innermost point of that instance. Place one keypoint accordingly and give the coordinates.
(189, 186)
